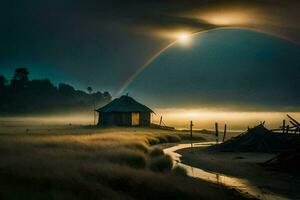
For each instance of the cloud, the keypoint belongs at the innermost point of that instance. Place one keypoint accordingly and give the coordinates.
(151, 16)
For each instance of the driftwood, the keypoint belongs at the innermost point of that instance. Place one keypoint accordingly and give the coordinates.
(294, 128)
(296, 123)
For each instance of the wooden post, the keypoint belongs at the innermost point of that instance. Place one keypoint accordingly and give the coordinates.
(283, 126)
(191, 127)
(287, 129)
(160, 120)
(225, 129)
(217, 133)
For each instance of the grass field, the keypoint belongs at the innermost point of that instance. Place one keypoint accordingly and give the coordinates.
(92, 163)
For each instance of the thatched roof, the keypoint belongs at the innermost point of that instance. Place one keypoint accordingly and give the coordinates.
(124, 104)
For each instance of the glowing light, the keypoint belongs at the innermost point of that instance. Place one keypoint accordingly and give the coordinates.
(206, 118)
(184, 38)
(191, 114)
(232, 17)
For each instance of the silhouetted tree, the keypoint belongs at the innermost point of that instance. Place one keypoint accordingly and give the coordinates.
(3, 92)
(107, 96)
(20, 79)
(3, 82)
(41, 86)
(25, 96)
(66, 89)
(21, 74)
(89, 89)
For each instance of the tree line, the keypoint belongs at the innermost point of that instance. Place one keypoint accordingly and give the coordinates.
(21, 95)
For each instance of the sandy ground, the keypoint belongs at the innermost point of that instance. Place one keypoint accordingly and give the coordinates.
(246, 166)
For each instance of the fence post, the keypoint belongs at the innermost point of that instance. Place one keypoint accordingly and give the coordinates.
(283, 126)
(191, 127)
(217, 133)
(225, 129)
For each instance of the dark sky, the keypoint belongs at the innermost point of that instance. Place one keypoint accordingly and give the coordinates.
(227, 69)
(103, 42)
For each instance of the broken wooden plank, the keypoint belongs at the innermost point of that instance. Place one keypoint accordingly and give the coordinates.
(295, 121)
(294, 124)
(287, 128)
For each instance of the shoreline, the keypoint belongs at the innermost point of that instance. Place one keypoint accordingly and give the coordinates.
(245, 166)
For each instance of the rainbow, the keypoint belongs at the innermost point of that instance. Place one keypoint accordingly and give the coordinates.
(124, 86)
(142, 67)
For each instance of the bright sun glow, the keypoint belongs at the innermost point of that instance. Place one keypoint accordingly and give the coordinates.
(184, 38)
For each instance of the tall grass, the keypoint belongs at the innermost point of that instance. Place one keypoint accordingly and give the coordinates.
(161, 163)
(106, 165)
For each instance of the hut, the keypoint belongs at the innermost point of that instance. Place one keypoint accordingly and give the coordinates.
(124, 111)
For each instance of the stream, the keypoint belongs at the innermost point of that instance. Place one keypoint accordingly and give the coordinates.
(242, 185)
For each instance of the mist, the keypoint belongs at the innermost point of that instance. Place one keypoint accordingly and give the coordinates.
(235, 120)
(178, 118)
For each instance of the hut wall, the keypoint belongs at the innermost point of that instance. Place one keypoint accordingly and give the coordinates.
(123, 119)
(111, 119)
(105, 119)
(145, 118)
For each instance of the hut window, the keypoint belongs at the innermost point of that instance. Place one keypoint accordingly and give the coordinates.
(135, 118)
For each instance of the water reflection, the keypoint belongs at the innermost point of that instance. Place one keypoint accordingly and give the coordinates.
(239, 184)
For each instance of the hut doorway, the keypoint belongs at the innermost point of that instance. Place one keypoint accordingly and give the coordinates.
(135, 118)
